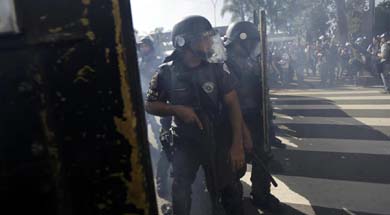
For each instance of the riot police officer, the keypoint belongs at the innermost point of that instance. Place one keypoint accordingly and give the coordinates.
(148, 60)
(192, 86)
(148, 63)
(243, 48)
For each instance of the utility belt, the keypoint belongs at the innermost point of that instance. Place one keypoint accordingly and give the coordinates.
(167, 143)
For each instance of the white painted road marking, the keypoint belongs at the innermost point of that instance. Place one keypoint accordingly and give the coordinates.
(324, 92)
(333, 107)
(334, 121)
(342, 98)
(376, 147)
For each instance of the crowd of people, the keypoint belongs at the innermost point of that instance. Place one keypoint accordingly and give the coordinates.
(331, 61)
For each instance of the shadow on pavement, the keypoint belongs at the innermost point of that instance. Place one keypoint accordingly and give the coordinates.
(330, 165)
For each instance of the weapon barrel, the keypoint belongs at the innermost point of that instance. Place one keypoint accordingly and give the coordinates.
(273, 181)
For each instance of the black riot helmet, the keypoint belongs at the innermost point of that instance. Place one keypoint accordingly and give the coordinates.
(188, 29)
(147, 40)
(196, 34)
(241, 31)
(146, 46)
(246, 36)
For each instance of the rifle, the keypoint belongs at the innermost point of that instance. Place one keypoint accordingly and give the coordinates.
(209, 139)
(265, 168)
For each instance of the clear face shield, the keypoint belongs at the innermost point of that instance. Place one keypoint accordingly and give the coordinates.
(255, 53)
(209, 46)
(250, 54)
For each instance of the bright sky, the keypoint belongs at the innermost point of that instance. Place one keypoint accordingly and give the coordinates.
(150, 14)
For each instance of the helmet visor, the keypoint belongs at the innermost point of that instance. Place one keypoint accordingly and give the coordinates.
(209, 46)
(256, 51)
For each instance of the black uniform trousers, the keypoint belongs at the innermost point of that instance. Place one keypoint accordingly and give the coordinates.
(163, 163)
(191, 154)
(188, 157)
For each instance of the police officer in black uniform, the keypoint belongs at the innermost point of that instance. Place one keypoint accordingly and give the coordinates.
(243, 48)
(148, 63)
(192, 86)
(148, 60)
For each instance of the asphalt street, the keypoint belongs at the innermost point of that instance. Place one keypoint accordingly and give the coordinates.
(338, 154)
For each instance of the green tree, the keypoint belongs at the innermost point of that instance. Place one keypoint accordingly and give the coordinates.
(280, 13)
(312, 19)
(239, 9)
(301, 17)
(342, 24)
(316, 19)
(382, 17)
(355, 15)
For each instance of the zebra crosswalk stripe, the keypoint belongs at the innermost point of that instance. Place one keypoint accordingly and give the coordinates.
(347, 196)
(358, 121)
(324, 92)
(332, 107)
(332, 98)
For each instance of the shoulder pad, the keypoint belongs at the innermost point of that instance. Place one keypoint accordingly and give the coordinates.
(166, 64)
(165, 67)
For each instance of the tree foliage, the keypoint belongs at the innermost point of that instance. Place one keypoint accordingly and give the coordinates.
(355, 13)
(283, 15)
(279, 12)
(312, 18)
(239, 9)
(382, 17)
(317, 21)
